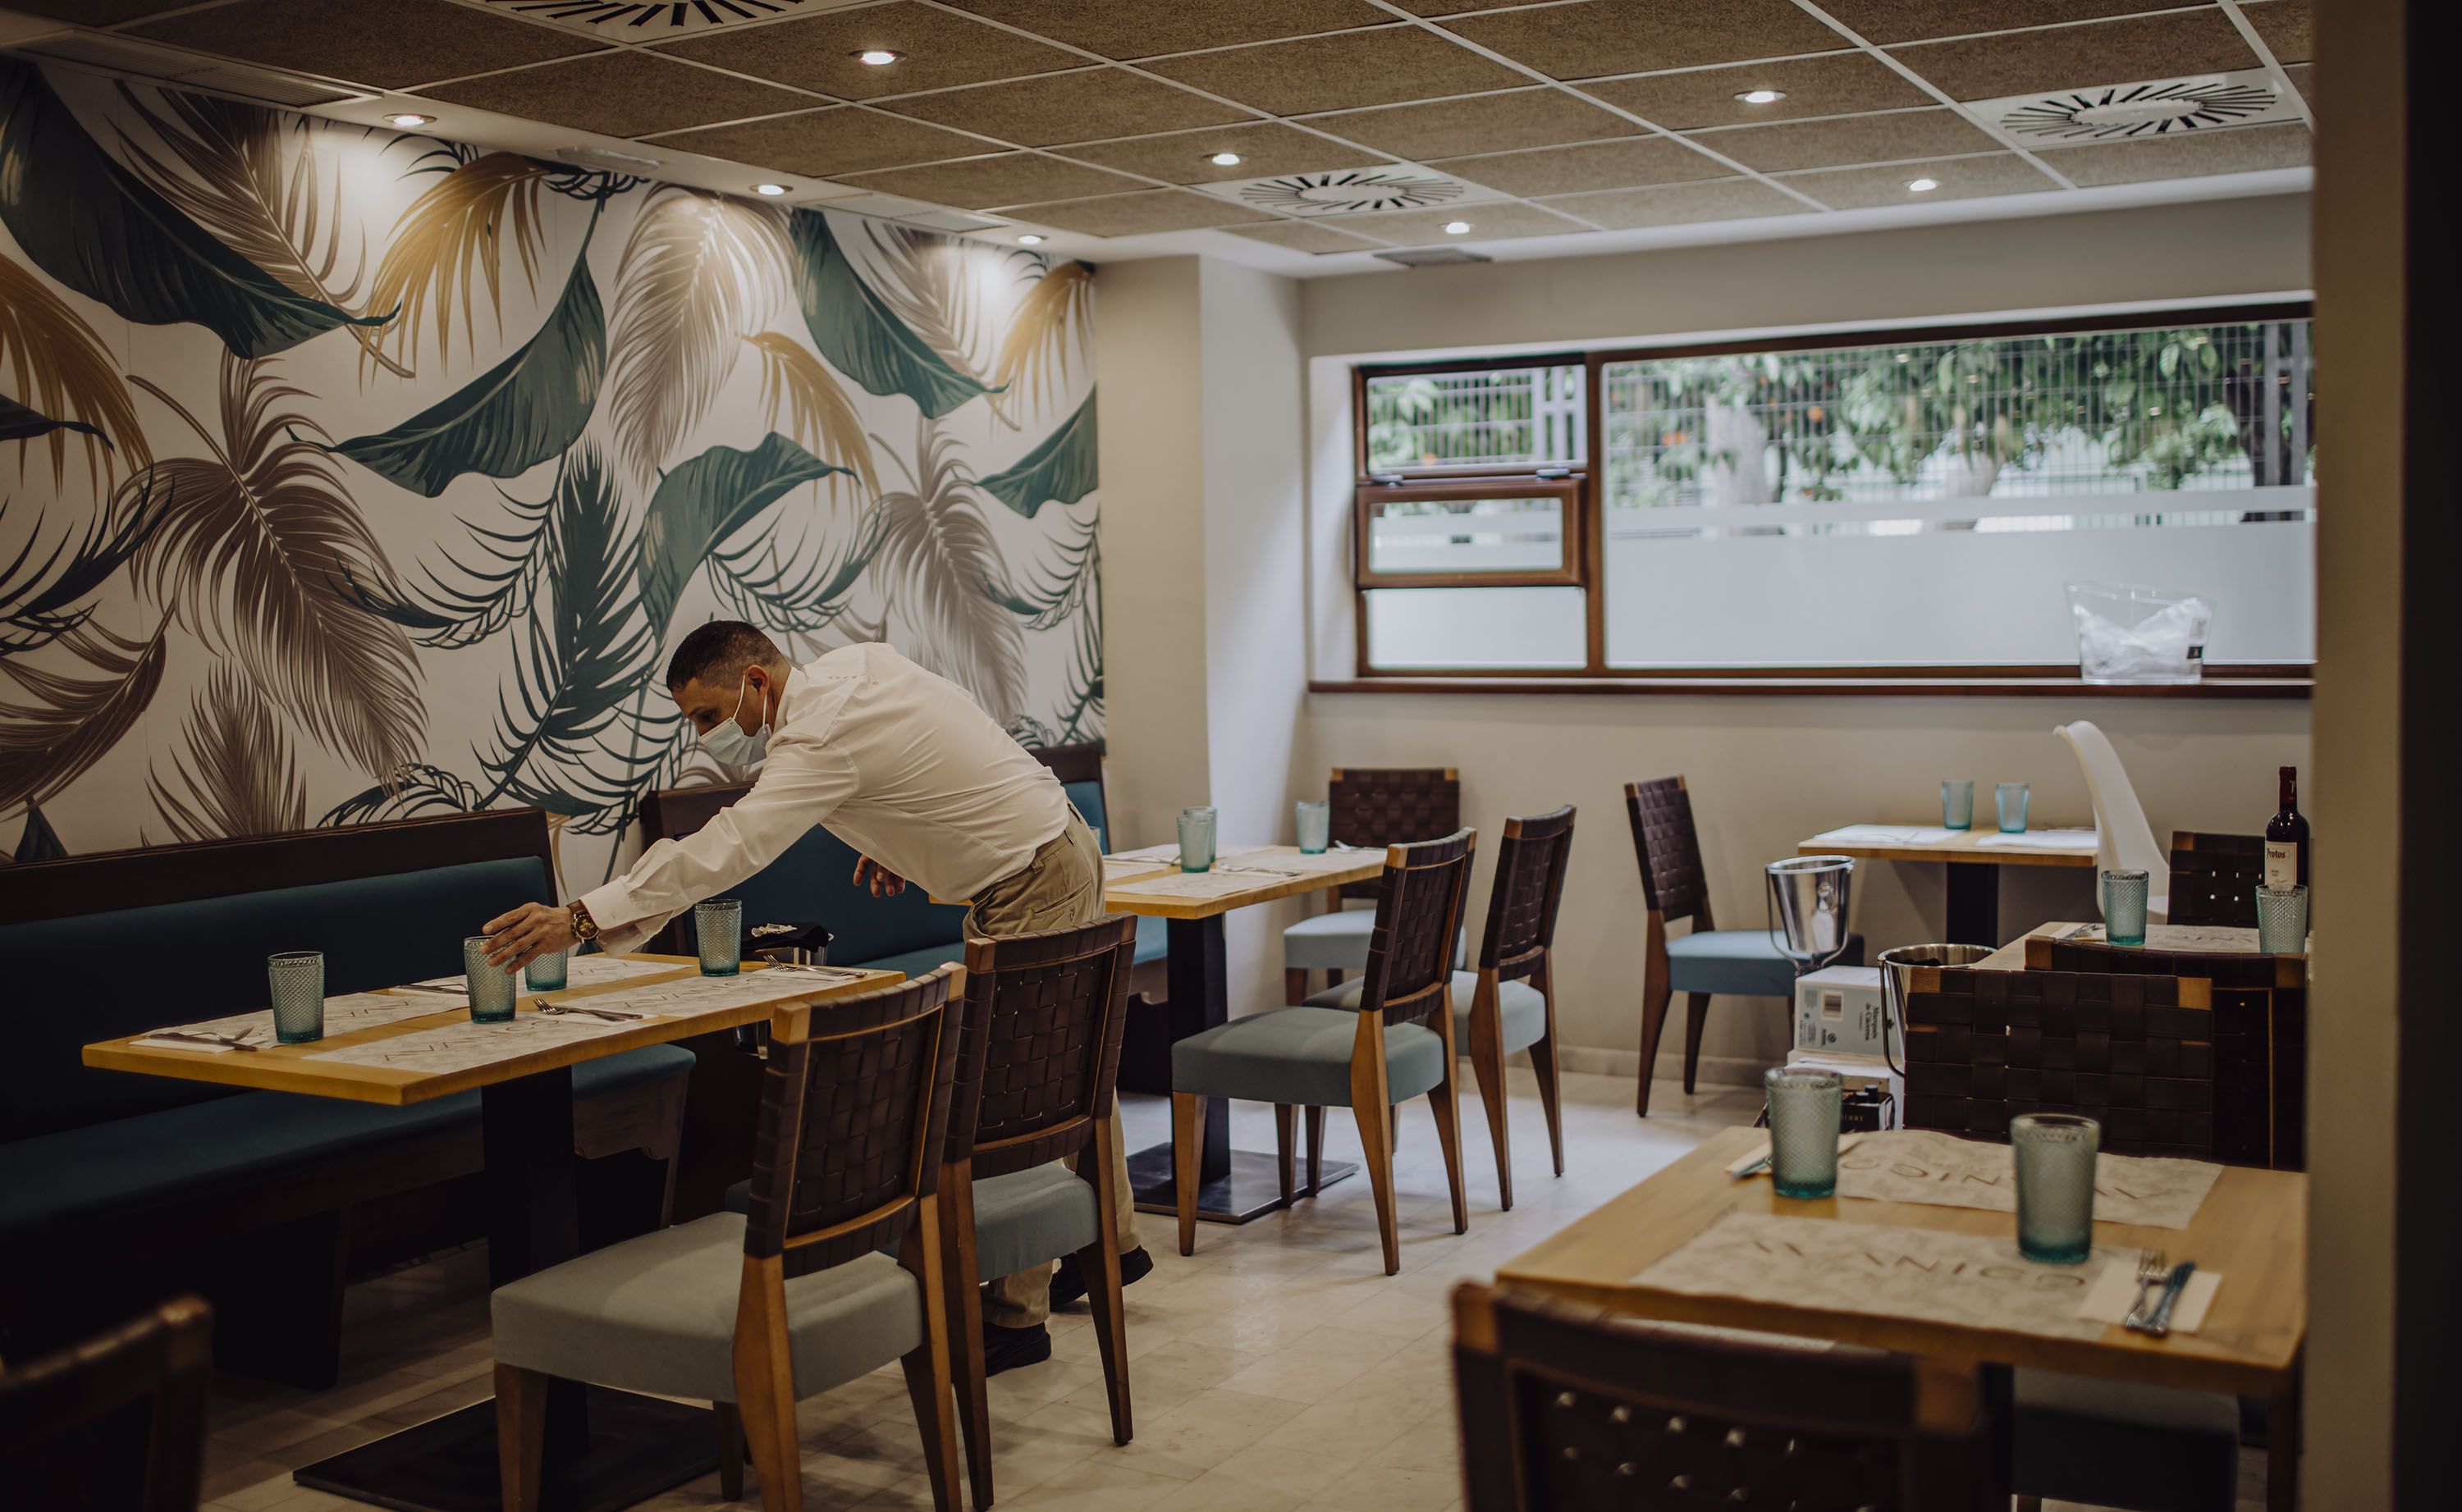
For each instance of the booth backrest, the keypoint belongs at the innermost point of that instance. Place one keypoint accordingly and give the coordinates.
(1080, 771)
(102, 945)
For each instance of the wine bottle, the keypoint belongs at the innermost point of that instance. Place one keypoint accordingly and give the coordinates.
(2287, 839)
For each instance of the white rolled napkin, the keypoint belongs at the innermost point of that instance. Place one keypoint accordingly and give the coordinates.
(2115, 1291)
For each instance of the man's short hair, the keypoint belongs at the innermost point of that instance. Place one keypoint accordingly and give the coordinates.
(718, 651)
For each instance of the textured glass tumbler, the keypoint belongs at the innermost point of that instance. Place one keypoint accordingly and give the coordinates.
(491, 986)
(1316, 827)
(546, 974)
(2123, 906)
(2282, 920)
(2054, 1154)
(1803, 1108)
(1196, 839)
(2011, 799)
(296, 979)
(718, 924)
(1957, 805)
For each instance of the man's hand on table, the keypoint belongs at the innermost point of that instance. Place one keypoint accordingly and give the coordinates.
(516, 938)
(884, 882)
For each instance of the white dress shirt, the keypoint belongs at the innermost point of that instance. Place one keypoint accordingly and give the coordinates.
(900, 763)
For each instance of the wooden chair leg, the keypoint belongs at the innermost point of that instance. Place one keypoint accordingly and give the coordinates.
(730, 1450)
(1283, 1120)
(521, 1435)
(1371, 1105)
(1294, 986)
(1543, 1065)
(1393, 1129)
(927, 1364)
(964, 1307)
(1445, 1101)
(1487, 1064)
(1697, 1012)
(765, 1384)
(1100, 1265)
(1187, 1149)
(1654, 997)
(1316, 1150)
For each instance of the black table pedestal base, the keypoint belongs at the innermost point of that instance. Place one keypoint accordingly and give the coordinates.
(1250, 1189)
(639, 1447)
(1971, 906)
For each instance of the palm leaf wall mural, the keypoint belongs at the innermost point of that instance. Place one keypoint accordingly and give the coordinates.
(39, 840)
(1060, 469)
(485, 592)
(407, 793)
(57, 369)
(705, 501)
(526, 409)
(41, 601)
(856, 330)
(928, 283)
(99, 229)
(452, 244)
(257, 547)
(700, 273)
(18, 423)
(1056, 313)
(803, 398)
(57, 724)
(945, 573)
(235, 773)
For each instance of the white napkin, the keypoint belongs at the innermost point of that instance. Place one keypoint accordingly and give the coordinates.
(2115, 1291)
(196, 1046)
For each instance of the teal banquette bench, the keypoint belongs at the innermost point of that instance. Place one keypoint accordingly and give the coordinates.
(116, 1182)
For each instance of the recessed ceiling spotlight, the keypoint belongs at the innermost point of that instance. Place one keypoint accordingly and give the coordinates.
(409, 118)
(1457, 229)
(1225, 160)
(878, 56)
(1762, 97)
(1029, 238)
(773, 191)
(1923, 186)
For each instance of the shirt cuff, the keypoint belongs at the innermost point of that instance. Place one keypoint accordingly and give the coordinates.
(617, 934)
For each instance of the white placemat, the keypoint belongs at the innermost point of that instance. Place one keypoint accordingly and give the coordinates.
(342, 1014)
(581, 970)
(466, 1046)
(1886, 834)
(2078, 840)
(702, 994)
(1919, 1165)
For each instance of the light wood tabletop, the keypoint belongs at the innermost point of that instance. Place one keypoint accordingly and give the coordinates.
(1973, 847)
(290, 1068)
(1148, 893)
(2252, 1228)
(2186, 939)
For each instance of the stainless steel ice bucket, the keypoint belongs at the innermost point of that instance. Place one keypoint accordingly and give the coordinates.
(1809, 897)
(1897, 973)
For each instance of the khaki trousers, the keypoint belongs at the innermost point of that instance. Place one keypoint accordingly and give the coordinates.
(1061, 888)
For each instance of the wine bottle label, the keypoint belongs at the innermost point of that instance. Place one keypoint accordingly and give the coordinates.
(2281, 864)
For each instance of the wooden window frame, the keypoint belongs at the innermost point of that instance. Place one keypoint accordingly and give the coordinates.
(1570, 493)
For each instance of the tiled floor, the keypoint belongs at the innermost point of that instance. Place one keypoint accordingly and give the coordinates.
(1276, 1369)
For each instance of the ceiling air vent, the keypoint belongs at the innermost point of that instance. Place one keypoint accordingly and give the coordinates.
(169, 66)
(2167, 107)
(1352, 191)
(658, 20)
(1433, 257)
(610, 159)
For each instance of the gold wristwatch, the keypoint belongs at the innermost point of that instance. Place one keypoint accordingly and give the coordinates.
(584, 927)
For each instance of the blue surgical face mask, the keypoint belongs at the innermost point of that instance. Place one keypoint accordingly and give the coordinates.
(727, 740)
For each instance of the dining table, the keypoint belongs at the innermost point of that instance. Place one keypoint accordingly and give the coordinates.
(606, 1448)
(2251, 1226)
(1970, 862)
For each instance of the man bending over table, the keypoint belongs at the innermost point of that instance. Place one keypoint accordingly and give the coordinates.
(906, 769)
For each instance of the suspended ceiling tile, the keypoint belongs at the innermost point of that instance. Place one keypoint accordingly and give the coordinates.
(2300, 75)
(2120, 51)
(97, 13)
(1886, 21)
(1150, 28)
(816, 52)
(1592, 165)
(1843, 84)
(384, 44)
(1527, 118)
(1956, 178)
(1303, 236)
(1265, 148)
(1681, 205)
(1011, 178)
(823, 143)
(1382, 65)
(2245, 149)
(1094, 104)
(2286, 27)
(1445, 6)
(621, 94)
(1850, 139)
(1587, 38)
(1139, 214)
(1499, 220)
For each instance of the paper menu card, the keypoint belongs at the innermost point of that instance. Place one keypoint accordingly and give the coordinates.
(352, 1011)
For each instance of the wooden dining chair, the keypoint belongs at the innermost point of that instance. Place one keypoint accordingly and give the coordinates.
(1509, 1002)
(1369, 1045)
(1035, 1076)
(1568, 1409)
(1373, 807)
(1707, 961)
(116, 1420)
(2214, 878)
(754, 1312)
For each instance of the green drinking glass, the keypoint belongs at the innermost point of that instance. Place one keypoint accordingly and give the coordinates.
(1316, 827)
(2282, 920)
(2123, 906)
(546, 974)
(2054, 1156)
(2009, 799)
(1804, 1109)
(491, 986)
(718, 926)
(1196, 839)
(1957, 805)
(296, 979)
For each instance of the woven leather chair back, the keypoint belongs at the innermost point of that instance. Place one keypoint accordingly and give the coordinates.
(1529, 887)
(1573, 1410)
(1673, 882)
(118, 1421)
(853, 1113)
(1040, 1049)
(2214, 878)
(1381, 806)
(2136, 1053)
(1418, 910)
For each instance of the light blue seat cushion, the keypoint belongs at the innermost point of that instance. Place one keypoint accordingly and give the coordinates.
(1523, 1016)
(658, 1315)
(1154, 941)
(1027, 1217)
(1744, 963)
(1301, 1054)
(2122, 1443)
(1338, 942)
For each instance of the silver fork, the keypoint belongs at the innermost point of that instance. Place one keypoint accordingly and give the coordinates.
(611, 1016)
(2151, 1274)
(226, 1041)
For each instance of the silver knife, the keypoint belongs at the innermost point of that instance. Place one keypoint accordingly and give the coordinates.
(2159, 1324)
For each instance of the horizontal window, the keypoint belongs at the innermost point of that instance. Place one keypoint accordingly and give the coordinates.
(1498, 533)
(1485, 628)
(1520, 417)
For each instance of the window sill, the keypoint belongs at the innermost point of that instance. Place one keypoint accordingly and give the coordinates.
(1847, 685)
